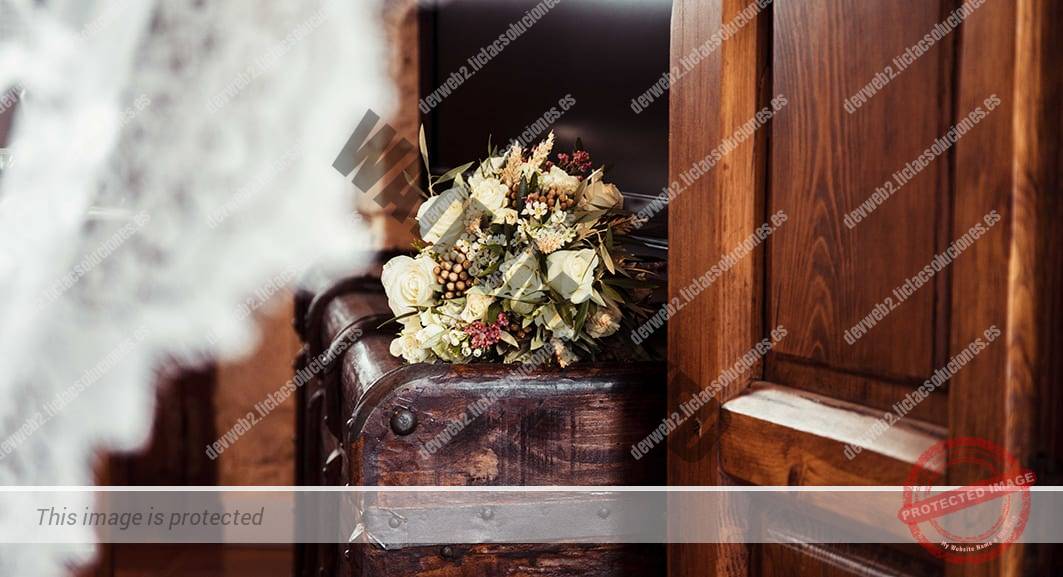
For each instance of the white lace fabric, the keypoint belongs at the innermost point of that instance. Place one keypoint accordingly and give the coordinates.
(169, 157)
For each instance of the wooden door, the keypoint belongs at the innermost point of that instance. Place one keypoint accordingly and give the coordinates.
(822, 276)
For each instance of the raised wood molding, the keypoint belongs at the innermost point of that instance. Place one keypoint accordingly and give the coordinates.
(1034, 364)
(709, 219)
(777, 435)
(867, 390)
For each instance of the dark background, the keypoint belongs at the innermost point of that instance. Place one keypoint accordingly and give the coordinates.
(602, 52)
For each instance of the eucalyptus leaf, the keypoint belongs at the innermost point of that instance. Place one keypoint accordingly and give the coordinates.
(424, 151)
(396, 319)
(608, 260)
(453, 173)
(581, 316)
(611, 294)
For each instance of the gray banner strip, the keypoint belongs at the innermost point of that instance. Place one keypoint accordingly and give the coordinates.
(404, 516)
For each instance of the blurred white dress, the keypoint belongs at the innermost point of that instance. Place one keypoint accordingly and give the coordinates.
(169, 157)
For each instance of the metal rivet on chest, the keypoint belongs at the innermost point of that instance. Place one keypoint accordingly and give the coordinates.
(403, 422)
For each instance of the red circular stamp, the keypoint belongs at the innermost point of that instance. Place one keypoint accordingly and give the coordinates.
(969, 524)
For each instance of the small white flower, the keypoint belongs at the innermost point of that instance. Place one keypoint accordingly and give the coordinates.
(535, 209)
(552, 237)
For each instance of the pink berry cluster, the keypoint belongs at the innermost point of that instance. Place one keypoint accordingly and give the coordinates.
(485, 335)
(579, 162)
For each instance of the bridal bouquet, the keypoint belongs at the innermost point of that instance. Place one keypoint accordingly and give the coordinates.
(519, 263)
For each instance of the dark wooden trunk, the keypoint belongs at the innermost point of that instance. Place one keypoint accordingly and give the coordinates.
(365, 420)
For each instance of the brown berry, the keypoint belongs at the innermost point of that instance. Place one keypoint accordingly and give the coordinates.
(458, 268)
(449, 295)
(450, 286)
(460, 284)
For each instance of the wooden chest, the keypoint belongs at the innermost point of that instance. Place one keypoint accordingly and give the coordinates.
(370, 419)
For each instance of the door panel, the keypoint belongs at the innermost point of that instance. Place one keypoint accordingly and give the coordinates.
(787, 418)
(824, 276)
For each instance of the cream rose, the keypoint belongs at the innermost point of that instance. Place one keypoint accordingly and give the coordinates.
(505, 216)
(489, 192)
(409, 283)
(440, 217)
(559, 180)
(520, 276)
(406, 344)
(571, 273)
(604, 322)
(476, 304)
(601, 196)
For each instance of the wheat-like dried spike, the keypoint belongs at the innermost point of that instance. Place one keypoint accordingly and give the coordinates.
(542, 151)
(511, 172)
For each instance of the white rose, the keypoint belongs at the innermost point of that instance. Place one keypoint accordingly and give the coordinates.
(551, 319)
(604, 322)
(559, 180)
(489, 192)
(406, 344)
(521, 276)
(431, 336)
(409, 283)
(571, 273)
(601, 196)
(506, 216)
(440, 217)
(476, 304)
